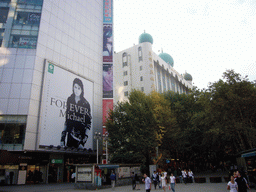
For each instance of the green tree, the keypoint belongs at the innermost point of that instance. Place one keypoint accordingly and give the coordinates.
(132, 135)
(233, 113)
(165, 125)
(186, 138)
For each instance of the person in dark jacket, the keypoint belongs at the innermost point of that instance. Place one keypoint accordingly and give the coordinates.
(113, 179)
(241, 182)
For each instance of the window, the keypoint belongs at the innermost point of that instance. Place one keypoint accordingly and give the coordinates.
(140, 68)
(31, 2)
(125, 83)
(125, 59)
(18, 41)
(125, 73)
(25, 26)
(3, 14)
(12, 129)
(142, 89)
(1, 36)
(27, 18)
(5, 1)
(159, 80)
(168, 82)
(141, 78)
(126, 93)
(140, 53)
(163, 78)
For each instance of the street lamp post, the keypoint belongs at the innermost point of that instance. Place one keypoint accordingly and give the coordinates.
(106, 139)
(97, 136)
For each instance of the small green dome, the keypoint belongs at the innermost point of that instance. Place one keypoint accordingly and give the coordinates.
(188, 77)
(167, 58)
(145, 37)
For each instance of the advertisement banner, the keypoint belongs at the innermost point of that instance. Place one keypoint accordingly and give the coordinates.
(66, 109)
(107, 11)
(107, 43)
(107, 105)
(107, 81)
(34, 18)
(27, 42)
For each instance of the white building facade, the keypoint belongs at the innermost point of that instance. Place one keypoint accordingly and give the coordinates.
(140, 68)
(45, 46)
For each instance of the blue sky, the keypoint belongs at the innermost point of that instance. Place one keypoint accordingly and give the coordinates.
(204, 37)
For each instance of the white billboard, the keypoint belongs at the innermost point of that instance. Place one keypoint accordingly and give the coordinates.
(66, 109)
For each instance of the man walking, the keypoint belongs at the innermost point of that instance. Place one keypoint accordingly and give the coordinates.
(113, 179)
(241, 182)
(155, 178)
(147, 182)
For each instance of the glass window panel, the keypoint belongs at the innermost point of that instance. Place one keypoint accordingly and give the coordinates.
(12, 129)
(34, 33)
(23, 41)
(26, 27)
(1, 36)
(3, 14)
(30, 2)
(5, 1)
(25, 32)
(16, 32)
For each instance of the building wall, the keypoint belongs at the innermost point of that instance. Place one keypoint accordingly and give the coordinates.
(146, 74)
(70, 36)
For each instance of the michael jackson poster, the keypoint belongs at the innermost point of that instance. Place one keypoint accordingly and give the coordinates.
(66, 109)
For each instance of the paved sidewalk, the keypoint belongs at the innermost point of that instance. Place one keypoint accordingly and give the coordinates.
(64, 187)
(180, 187)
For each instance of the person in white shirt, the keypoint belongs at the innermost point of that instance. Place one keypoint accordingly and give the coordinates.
(147, 182)
(163, 181)
(232, 185)
(185, 176)
(190, 175)
(172, 182)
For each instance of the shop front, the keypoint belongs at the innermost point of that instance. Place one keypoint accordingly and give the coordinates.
(250, 159)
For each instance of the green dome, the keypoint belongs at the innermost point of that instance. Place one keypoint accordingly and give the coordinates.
(145, 37)
(167, 58)
(188, 77)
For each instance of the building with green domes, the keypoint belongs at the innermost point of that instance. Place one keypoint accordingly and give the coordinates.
(139, 67)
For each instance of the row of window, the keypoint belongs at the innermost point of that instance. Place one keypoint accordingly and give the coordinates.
(126, 82)
(125, 57)
(25, 24)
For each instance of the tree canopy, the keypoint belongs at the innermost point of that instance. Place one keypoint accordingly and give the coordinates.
(209, 124)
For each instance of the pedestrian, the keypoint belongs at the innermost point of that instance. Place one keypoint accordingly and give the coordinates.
(155, 178)
(232, 185)
(133, 181)
(163, 181)
(241, 182)
(172, 182)
(147, 182)
(73, 177)
(113, 179)
(137, 180)
(185, 176)
(179, 174)
(159, 180)
(190, 176)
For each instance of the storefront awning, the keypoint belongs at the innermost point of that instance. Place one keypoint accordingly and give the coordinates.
(251, 154)
(104, 166)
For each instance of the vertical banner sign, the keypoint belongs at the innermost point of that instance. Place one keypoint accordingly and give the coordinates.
(66, 116)
(107, 43)
(107, 56)
(107, 80)
(108, 11)
(108, 49)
